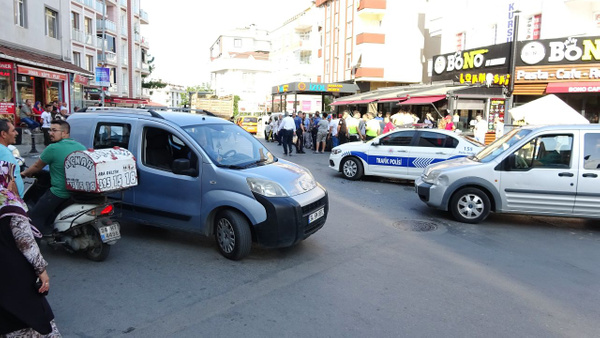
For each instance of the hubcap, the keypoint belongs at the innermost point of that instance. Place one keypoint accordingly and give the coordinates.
(470, 206)
(225, 235)
(350, 168)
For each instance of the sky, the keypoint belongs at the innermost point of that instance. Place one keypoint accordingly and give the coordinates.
(181, 32)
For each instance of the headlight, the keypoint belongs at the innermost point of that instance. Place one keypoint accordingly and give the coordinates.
(266, 187)
(335, 151)
(303, 184)
(430, 177)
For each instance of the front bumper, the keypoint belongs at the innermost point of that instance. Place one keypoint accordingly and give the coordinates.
(287, 218)
(334, 162)
(431, 194)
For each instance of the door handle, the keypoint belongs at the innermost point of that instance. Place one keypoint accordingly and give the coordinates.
(400, 151)
(590, 175)
(440, 153)
(565, 174)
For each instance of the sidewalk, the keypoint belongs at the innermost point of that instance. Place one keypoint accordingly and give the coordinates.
(25, 146)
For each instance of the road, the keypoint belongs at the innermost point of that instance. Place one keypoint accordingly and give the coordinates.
(384, 265)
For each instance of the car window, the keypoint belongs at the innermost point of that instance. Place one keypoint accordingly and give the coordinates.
(591, 151)
(250, 119)
(547, 151)
(400, 138)
(436, 140)
(109, 135)
(161, 148)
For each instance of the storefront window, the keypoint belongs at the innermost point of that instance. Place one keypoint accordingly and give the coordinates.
(77, 95)
(6, 91)
(53, 91)
(25, 89)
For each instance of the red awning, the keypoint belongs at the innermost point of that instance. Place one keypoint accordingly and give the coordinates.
(27, 57)
(422, 100)
(573, 87)
(362, 101)
(341, 103)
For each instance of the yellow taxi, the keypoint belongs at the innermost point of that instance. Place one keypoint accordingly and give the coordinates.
(248, 123)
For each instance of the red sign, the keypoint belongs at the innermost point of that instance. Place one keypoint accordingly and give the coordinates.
(41, 73)
(7, 108)
(573, 87)
(81, 79)
(6, 65)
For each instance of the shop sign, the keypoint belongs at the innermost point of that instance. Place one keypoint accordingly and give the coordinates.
(484, 78)
(548, 74)
(568, 50)
(7, 108)
(41, 73)
(84, 80)
(316, 87)
(103, 76)
(6, 66)
(476, 62)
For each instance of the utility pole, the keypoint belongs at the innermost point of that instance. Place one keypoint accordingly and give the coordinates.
(103, 45)
(513, 61)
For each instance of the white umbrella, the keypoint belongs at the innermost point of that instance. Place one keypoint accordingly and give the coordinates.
(548, 109)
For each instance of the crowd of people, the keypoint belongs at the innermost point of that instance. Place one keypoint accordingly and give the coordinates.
(35, 118)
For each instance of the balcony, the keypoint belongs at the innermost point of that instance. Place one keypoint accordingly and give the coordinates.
(144, 16)
(110, 26)
(145, 43)
(111, 58)
(90, 40)
(125, 89)
(372, 38)
(123, 3)
(372, 9)
(137, 37)
(113, 88)
(77, 35)
(124, 30)
(124, 58)
(145, 68)
(100, 7)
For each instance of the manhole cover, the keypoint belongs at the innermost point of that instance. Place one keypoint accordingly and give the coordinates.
(415, 225)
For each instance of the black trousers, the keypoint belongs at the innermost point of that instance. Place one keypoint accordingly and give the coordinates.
(299, 142)
(287, 136)
(43, 209)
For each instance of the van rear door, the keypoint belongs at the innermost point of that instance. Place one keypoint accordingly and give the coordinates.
(587, 202)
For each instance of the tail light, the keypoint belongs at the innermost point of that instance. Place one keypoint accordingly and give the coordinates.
(107, 210)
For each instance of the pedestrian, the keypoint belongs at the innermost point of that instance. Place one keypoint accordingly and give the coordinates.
(299, 133)
(449, 123)
(315, 129)
(372, 127)
(333, 131)
(64, 114)
(480, 129)
(8, 136)
(322, 130)
(428, 121)
(27, 116)
(24, 310)
(276, 129)
(46, 119)
(287, 128)
(362, 125)
(343, 128)
(38, 109)
(389, 126)
(352, 124)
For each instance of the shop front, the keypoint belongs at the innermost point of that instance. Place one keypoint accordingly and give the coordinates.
(78, 85)
(568, 67)
(7, 105)
(41, 85)
(316, 96)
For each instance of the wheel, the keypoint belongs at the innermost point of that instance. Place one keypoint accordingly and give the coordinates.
(100, 251)
(233, 236)
(352, 168)
(470, 205)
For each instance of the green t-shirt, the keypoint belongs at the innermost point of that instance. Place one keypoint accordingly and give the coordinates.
(54, 156)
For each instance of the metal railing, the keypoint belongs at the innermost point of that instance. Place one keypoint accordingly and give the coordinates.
(111, 26)
(144, 15)
(78, 35)
(123, 3)
(100, 7)
(144, 42)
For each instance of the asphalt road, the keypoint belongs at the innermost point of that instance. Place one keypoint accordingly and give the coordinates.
(367, 273)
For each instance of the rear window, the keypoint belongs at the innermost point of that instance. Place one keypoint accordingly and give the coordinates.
(249, 120)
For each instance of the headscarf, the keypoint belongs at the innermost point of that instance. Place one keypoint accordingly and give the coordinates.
(11, 204)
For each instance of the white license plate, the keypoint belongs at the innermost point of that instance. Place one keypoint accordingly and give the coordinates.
(110, 233)
(316, 215)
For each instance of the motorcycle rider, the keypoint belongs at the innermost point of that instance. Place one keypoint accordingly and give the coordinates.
(54, 156)
(8, 136)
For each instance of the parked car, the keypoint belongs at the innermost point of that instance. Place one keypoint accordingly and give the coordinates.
(402, 153)
(550, 171)
(248, 123)
(207, 175)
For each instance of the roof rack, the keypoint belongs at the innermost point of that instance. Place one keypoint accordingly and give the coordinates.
(183, 110)
(140, 111)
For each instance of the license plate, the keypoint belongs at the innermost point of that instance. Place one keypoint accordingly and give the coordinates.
(110, 233)
(316, 215)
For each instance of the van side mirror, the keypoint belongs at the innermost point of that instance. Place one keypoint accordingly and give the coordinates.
(375, 143)
(181, 166)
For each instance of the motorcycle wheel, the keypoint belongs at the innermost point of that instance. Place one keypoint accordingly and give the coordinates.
(100, 251)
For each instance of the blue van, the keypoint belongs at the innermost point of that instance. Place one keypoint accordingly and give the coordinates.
(207, 175)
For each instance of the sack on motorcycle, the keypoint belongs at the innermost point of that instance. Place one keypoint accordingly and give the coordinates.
(102, 170)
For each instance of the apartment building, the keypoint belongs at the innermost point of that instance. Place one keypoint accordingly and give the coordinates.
(169, 96)
(240, 66)
(107, 33)
(374, 43)
(35, 54)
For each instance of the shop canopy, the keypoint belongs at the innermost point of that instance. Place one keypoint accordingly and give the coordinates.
(39, 60)
(421, 100)
(548, 109)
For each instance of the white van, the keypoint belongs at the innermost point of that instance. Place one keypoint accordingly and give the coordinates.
(549, 170)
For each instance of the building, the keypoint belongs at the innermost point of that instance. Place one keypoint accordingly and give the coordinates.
(169, 96)
(35, 58)
(375, 43)
(121, 48)
(240, 66)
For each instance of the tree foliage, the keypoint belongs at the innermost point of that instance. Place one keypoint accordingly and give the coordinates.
(236, 99)
(154, 84)
(185, 97)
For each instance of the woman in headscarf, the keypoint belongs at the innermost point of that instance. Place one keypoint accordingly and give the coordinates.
(24, 311)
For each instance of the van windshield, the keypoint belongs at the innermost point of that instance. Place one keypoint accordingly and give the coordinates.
(230, 146)
(500, 145)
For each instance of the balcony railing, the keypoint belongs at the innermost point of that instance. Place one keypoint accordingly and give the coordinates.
(78, 35)
(123, 3)
(137, 37)
(113, 88)
(124, 30)
(100, 7)
(90, 39)
(145, 66)
(144, 42)
(124, 58)
(125, 89)
(144, 16)
(110, 26)
(110, 58)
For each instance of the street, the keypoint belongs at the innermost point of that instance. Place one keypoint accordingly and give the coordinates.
(384, 265)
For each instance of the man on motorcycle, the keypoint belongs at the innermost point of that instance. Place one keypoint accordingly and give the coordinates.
(54, 156)
(8, 136)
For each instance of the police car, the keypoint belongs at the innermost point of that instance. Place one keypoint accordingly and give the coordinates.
(402, 153)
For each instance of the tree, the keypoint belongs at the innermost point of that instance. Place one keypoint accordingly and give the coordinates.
(236, 99)
(154, 84)
(150, 84)
(202, 88)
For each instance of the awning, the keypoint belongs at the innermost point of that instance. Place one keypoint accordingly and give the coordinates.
(392, 99)
(422, 100)
(573, 87)
(362, 101)
(39, 60)
(548, 109)
(340, 103)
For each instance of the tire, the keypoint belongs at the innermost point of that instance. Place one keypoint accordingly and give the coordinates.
(470, 205)
(232, 234)
(100, 252)
(352, 168)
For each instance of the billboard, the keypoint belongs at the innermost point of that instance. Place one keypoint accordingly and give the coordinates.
(103, 76)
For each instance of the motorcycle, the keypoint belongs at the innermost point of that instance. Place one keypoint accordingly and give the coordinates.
(81, 224)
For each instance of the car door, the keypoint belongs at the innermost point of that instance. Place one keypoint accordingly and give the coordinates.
(389, 155)
(430, 147)
(541, 176)
(163, 197)
(588, 182)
